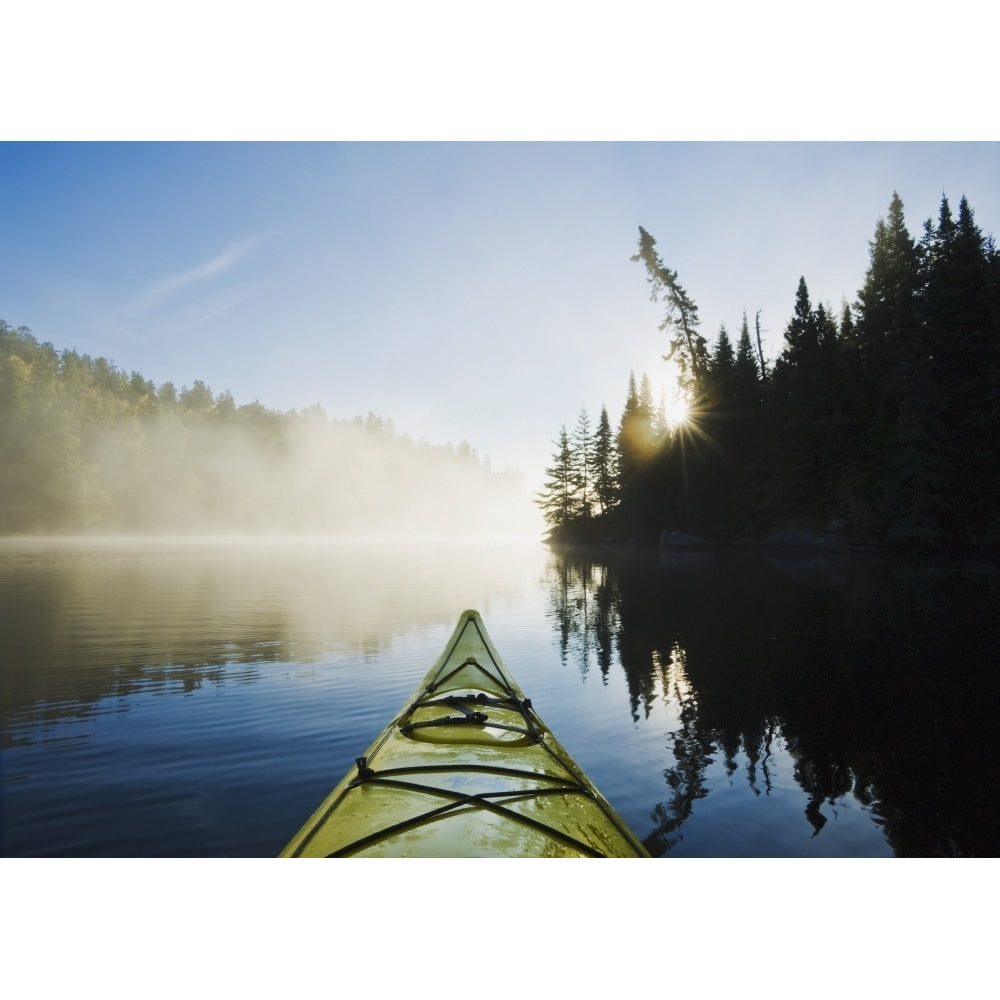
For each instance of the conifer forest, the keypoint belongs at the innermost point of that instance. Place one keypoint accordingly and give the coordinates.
(877, 425)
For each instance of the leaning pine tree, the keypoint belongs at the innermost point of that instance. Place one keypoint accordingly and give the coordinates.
(688, 348)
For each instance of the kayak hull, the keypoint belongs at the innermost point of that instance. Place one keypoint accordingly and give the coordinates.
(466, 769)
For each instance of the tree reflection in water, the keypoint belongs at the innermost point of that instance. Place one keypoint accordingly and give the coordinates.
(867, 679)
(692, 750)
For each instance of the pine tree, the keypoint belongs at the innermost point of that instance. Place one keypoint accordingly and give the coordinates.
(962, 337)
(808, 382)
(605, 465)
(887, 303)
(583, 447)
(628, 447)
(687, 347)
(722, 369)
(764, 374)
(647, 416)
(744, 436)
(746, 374)
(557, 500)
(801, 334)
(905, 446)
(637, 447)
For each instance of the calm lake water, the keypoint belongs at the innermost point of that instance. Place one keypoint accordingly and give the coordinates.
(199, 698)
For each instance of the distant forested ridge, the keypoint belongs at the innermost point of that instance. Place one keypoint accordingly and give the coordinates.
(86, 447)
(878, 424)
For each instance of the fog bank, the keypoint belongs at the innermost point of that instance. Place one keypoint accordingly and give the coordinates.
(86, 448)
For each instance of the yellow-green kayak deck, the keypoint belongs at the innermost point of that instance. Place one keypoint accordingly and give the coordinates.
(467, 769)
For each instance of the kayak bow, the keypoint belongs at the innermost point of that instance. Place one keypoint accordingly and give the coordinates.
(467, 769)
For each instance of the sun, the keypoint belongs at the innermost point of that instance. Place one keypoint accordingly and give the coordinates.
(677, 409)
(675, 400)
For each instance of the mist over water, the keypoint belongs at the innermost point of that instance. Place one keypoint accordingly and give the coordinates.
(168, 696)
(305, 475)
(107, 608)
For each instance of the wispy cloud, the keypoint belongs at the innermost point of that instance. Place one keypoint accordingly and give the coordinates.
(150, 297)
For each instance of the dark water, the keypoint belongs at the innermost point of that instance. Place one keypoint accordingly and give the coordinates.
(177, 698)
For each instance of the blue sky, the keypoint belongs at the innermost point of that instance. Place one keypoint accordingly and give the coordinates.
(477, 292)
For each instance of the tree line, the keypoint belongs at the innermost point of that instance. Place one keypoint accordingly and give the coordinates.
(879, 423)
(87, 447)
